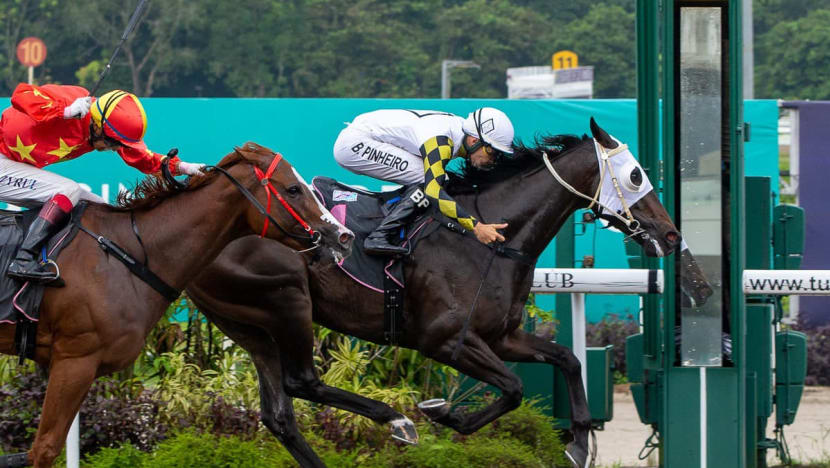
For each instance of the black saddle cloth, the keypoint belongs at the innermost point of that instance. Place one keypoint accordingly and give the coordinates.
(362, 211)
(18, 298)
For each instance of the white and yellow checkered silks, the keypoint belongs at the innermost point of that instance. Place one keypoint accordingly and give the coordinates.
(437, 152)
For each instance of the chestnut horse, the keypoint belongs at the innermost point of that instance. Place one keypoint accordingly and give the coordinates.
(97, 323)
(253, 282)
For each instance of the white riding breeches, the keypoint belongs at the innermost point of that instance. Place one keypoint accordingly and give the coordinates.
(27, 186)
(363, 154)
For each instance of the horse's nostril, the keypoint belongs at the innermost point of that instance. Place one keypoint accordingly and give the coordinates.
(346, 238)
(673, 238)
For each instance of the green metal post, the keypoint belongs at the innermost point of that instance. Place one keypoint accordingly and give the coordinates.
(564, 259)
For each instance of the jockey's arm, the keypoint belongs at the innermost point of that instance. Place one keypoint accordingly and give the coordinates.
(147, 161)
(437, 152)
(46, 102)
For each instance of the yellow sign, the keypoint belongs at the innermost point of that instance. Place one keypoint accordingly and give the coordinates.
(564, 59)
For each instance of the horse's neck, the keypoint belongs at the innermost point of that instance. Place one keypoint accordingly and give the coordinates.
(539, 205)
(185, 232)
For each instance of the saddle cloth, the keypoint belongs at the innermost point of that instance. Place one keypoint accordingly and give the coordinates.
(22, 300)
(362, 211)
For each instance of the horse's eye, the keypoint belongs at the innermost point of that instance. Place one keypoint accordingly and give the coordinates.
(636, 177)
(294, 190)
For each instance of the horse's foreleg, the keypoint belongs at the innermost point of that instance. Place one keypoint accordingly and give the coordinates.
(478, 361)
(520, 346)
(69, 382)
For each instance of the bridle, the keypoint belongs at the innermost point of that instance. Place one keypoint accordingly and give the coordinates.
(313, 236)
(632, 224)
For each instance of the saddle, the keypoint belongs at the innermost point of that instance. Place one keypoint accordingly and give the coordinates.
(362, 211)
(20, 302)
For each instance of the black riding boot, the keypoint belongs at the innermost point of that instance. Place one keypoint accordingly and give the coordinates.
(26, 265)
(413, 201)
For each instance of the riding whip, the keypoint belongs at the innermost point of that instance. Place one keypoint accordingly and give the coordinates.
(130, 26)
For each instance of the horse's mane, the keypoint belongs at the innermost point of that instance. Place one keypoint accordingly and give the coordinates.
(525, 159)
(153, 190)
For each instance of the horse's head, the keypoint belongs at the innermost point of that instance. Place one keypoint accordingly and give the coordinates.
(693, 283)
(626, 197)
(294, 215)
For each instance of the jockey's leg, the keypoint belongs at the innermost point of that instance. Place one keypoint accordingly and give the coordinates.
(28, 186)
(380, 241)
(27, 266)
(361, 153)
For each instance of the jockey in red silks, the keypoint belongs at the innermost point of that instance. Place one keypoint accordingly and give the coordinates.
(53, 123)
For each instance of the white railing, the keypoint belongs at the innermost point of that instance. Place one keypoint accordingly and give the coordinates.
(579, 281)
(787, 282)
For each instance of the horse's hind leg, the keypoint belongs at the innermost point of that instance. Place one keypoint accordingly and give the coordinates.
(520, 346)
(276, 408)
(301, 381)
(478, 361)
(69, 382)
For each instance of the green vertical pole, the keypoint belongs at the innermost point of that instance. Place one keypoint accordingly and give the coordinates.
(669, 55)
(564, 334)
(648, 135)
(737, 259)
(648, 139)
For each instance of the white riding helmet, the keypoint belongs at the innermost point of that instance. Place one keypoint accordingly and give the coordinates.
(492, 127)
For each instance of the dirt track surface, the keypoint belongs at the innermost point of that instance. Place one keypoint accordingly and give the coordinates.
(808, 436)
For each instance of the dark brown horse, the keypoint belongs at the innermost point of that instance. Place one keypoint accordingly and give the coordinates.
(97, 324)
(259, 296)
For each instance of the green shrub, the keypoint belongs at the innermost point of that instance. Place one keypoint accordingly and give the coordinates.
(125, 456)
(529, 425)
(191, 450)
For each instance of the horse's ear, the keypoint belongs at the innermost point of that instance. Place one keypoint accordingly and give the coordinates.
(248, 151)
(602, 137)
(242, 152)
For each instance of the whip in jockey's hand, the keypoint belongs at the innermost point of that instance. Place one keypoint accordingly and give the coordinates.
(412, 148)
(53, 123)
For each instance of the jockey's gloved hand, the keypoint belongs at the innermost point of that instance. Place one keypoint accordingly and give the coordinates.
(191, 169)
(78, 109)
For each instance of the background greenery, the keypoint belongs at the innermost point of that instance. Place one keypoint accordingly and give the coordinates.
(375, 48)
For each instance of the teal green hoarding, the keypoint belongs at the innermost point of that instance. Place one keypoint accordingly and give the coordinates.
(304, 130)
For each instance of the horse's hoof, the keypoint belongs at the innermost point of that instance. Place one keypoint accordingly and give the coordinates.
(577, 454)
(435, 409)
(404, 430)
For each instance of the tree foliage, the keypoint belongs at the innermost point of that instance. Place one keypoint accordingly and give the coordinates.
(372, 48)
(796, 62)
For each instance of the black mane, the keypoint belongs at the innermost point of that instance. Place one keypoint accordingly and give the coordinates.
(524, 159)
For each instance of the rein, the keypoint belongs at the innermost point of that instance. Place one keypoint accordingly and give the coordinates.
(632, 224)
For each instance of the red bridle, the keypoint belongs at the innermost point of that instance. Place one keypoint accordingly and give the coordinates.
(265, 180)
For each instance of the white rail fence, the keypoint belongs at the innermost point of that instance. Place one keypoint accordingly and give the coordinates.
(580, 281)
